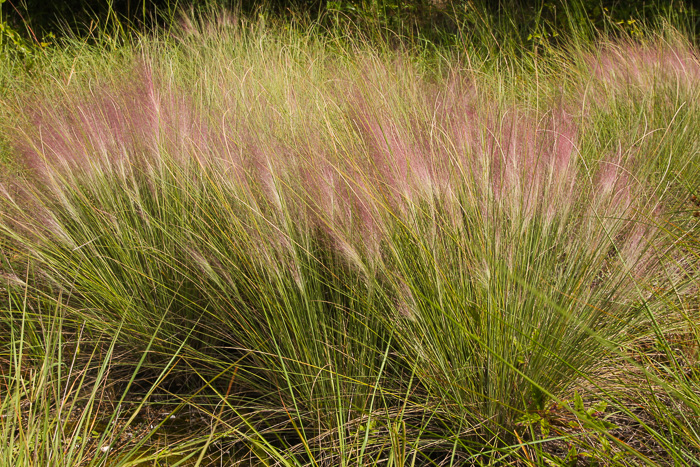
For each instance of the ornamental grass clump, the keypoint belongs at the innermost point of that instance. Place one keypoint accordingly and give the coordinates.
(515, 277)
(349, 252)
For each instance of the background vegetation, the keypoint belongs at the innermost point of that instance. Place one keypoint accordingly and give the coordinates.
(365, 234)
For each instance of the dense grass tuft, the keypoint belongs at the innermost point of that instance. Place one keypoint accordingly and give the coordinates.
(348, 254)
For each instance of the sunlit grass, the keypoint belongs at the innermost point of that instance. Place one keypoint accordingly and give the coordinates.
(347, 254)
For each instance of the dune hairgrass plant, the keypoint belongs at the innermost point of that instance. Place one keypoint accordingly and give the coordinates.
(350, 254)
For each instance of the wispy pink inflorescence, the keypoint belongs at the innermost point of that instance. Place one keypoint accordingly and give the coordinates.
(646, 65)
(424, 166)
(530, 162)
(402, 160)
(635, 251)
(612, 185)
(115, 123)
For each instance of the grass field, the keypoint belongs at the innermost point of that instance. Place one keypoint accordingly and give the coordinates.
(239, 242)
